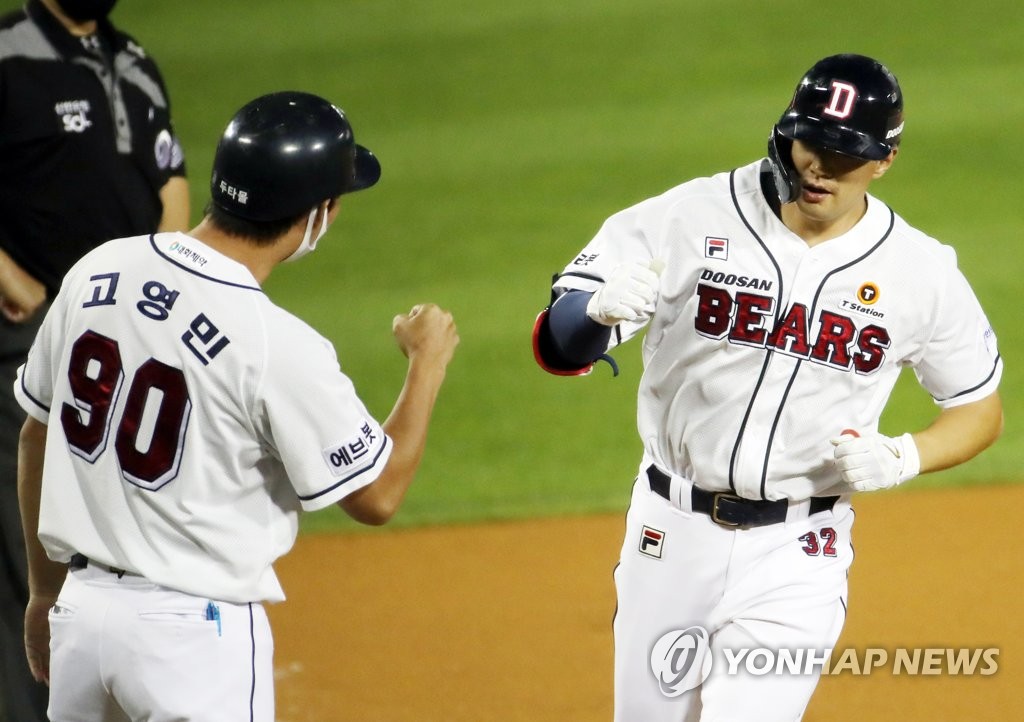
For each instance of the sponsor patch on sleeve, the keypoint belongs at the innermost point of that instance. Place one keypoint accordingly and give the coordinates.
(357, 452)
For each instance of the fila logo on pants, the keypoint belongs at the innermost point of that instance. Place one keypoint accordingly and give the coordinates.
(651, 542)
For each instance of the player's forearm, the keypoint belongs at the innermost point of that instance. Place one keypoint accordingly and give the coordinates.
(409, 420)
(45, 577)
(407, 426)
(960, 433)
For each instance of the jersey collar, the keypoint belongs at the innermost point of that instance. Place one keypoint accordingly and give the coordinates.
(64, 42)
(199, 259)
(874, 226)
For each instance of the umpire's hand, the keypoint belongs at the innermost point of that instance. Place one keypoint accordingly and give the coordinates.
(21, 295)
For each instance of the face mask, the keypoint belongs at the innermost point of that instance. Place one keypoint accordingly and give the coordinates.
(86, 10)
(308, 244)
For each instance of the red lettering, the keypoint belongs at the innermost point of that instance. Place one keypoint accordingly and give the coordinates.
(714, 311)
(742, 320)
(834, 338)
(811, 547)
(790, 335)
(870, 349)
(830, 537)
(750, 311)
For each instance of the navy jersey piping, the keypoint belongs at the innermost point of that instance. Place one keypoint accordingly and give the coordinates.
(350, 476)
(32, 398)
(799, 363)
(252, 665)
(746, 417)
(769, 352)
(768, 355)
(152, 243)
(579, 274)
(988, 378)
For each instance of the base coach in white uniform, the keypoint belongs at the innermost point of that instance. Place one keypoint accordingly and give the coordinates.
(781, 301)
(179, 421)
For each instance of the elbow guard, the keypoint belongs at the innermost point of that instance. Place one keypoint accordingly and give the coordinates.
(566, 342)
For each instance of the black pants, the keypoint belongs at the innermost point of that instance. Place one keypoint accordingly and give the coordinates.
(21, 697)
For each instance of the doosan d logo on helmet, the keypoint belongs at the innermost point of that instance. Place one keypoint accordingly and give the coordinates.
(840, 104)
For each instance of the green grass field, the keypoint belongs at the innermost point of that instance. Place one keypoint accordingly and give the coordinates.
(509, 131)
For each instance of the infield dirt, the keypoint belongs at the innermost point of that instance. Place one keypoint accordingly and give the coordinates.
(512, 621)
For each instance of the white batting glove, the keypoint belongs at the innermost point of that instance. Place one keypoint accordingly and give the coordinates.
(876, 462)
(629, 294)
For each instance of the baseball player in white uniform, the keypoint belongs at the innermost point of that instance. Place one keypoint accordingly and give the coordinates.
(780, 301)
(179, 421)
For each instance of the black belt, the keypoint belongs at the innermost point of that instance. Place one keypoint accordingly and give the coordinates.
(730, 510)
(80, 561)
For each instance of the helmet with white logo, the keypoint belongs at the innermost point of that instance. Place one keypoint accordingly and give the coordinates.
(284, 153)
(850, 104)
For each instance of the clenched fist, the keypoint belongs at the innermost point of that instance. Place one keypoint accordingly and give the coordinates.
(629, 294)
(876, 462)
(426, 332)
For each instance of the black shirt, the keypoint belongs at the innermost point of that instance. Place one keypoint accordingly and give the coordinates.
(86, 141)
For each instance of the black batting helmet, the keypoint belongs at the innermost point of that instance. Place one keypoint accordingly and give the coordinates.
(283, 154)
(850, 104)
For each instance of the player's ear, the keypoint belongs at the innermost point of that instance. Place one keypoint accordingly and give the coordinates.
(325, 207)
(886, 163)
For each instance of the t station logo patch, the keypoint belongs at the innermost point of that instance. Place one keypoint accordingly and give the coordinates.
(868, 293)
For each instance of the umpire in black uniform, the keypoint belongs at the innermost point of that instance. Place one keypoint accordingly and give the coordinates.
(87, 153)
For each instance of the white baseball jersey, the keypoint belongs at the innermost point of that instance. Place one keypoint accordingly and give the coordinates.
(762, 348)
(189, 419)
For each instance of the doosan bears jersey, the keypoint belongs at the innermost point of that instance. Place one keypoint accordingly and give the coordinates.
(761, 347)
(197, 414)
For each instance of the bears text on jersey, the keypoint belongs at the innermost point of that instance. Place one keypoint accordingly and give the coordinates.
(743, 319)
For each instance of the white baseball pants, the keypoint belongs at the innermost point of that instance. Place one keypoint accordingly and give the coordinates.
(757, 595)
(123, 649)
